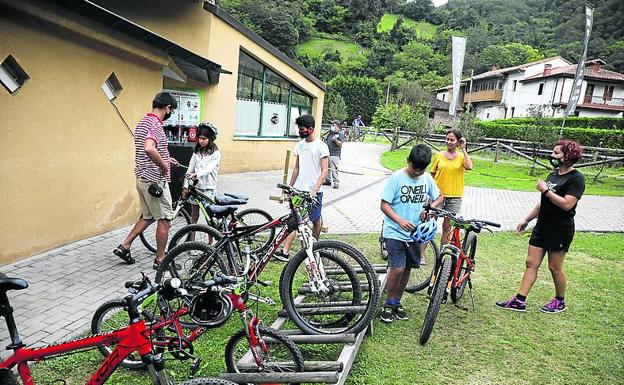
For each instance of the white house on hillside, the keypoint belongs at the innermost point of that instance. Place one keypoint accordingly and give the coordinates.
(510, 92)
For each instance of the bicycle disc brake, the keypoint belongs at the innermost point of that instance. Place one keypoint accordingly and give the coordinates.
(181, 348)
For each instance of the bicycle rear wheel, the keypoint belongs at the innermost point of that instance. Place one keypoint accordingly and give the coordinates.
(195, 233)
(352, 297)
(470, 248)
(262, 240)
(437, 296)
(421, 277)
(148, 236)
(195, 261)
(276, 353)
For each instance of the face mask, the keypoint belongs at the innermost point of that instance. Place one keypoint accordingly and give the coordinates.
(555, 162)
(304, 132)
(167, 116)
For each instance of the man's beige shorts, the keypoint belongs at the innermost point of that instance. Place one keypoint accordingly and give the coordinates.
(152, 207)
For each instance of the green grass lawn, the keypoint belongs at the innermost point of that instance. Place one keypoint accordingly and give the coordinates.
(318, 45)
(485, 346)
(423, 29)
(492, 346)
(513, 173)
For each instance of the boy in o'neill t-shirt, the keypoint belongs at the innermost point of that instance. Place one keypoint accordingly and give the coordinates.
(402, 201)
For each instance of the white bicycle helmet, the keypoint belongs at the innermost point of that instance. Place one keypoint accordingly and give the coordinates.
(207, 130)
(425, 231)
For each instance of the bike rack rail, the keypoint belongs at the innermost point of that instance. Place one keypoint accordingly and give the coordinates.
(328, 372)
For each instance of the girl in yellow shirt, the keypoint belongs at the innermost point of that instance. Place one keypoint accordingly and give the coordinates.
(447, 169)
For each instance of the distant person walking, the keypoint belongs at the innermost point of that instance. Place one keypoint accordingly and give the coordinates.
(447, 169)
(152, 171)
(334, 141)
(554, 230)
(357, 123)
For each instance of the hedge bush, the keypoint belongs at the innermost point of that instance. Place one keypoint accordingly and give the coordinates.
(609, 138)
(572, 122)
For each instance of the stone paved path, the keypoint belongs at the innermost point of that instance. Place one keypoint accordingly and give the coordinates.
(67, 284)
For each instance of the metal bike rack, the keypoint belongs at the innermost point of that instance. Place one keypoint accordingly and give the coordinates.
(328, 372)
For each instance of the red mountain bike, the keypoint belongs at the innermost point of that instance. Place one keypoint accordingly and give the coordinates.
(209, 305)
(454, 266)
(133, 338)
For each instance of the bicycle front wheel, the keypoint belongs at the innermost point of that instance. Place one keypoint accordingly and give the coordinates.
(259, 241)
(148, 236)
(470, 248)
(437, 296)
(111, 316)
(420, 278)
(274, 353)
(349, 299)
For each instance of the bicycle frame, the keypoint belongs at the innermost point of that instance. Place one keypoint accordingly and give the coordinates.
(460, 258)
(232, 234)
(133, 338)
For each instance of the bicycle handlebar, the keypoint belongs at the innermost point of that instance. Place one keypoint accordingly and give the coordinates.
(293, 191)
(477, 223)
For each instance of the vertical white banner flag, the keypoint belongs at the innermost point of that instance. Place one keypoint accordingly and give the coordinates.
(459, 48)
(578, 78)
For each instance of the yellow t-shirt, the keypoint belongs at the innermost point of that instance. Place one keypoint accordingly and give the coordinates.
(449, 174)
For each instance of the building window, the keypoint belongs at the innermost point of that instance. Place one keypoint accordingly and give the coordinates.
(513, 109)
(608, 93)
(443, 97)
(267, 104)
(112, 87)
(515, 83)
(505, 112)
(12, 75)
(540, 90)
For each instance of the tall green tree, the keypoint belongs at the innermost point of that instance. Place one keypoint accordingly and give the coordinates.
(360, 94)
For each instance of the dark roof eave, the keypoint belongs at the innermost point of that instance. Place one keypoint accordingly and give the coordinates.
(567, 75)
(220, 13)
(193, 65)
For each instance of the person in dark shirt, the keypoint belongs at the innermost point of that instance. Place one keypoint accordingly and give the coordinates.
(554, 229)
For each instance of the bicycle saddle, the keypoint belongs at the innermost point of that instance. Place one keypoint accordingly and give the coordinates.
(224, 200)
(221, 211)
(7, 284)
(238, 196)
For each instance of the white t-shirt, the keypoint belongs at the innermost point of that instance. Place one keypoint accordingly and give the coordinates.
(310, 155)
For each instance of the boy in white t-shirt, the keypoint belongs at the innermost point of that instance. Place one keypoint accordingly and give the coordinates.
(309, 173)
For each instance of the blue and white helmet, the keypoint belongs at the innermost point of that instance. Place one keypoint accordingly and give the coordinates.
(425, 231)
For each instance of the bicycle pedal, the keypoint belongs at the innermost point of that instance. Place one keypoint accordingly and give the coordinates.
(195, 365)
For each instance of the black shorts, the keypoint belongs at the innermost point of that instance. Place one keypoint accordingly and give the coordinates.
(552, 238)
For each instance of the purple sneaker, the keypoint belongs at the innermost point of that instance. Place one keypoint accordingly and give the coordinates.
(554, 306)
(512, 304)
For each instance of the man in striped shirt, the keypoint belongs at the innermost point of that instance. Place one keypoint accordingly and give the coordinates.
(152, 166)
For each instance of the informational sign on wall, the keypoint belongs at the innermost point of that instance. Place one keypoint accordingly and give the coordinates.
(188, 111)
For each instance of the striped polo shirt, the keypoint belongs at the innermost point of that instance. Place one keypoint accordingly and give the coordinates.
(150, 127)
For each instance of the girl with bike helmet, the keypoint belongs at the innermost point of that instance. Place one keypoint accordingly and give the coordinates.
(204, 165)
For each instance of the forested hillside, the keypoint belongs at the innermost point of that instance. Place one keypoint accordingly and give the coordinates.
(396, 43)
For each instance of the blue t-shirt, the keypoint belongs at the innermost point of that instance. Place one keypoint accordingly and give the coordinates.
(407, 196)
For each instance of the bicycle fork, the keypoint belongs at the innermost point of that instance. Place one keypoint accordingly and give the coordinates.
(314, 265)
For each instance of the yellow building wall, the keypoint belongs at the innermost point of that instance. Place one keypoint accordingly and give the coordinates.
(66, 157)
(200, 31)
